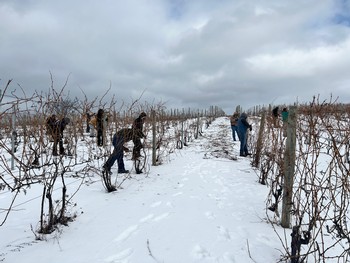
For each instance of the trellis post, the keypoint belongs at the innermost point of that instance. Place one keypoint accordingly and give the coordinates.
(289, 167)
(259, 143)
(154, 138)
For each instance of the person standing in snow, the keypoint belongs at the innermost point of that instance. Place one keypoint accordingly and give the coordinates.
(100, 126)
(88, 116)
(284, 121)
(242, 128)
(93, 125)
(56, 128)
(119, 139)
(50, 124)
(137, 135)
(233, 121)
(275, 115)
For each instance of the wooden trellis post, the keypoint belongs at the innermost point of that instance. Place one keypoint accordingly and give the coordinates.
(197, 127)
(289, 167)
(13, 137)
(259, 142)
(154, 138)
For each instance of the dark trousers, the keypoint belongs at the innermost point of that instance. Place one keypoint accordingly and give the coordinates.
(243, 150)
(99, 137)
(88, 126)
(137, 147)
(57, 140)
(234, 130)
(117, 155)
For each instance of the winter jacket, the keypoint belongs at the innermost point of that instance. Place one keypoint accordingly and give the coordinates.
(242, 124)
(99, 119)
(56, 127)
(284, 115)
(138, 126)
(275, 112)
(121, 137)
(234, 119)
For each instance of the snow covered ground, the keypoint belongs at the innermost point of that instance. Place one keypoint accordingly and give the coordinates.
(197, 207)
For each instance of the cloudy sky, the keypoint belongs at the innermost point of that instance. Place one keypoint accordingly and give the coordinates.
(185, 53)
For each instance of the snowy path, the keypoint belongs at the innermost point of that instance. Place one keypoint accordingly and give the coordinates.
(192, 209)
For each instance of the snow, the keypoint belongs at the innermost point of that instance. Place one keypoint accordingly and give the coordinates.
(194, 207)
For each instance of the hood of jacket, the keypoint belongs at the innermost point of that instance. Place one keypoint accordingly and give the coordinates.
(244, 115)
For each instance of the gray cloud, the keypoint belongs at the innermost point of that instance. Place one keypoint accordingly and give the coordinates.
(185, 53)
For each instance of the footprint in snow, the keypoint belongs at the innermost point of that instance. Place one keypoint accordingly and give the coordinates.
(121, 257)
(228, 257)
(224, 233)
(210, 215)
(170, 204)
(219, 199)
(161, 217)
(146, 218)
(200, 252)
(156, 204)
(126, 233)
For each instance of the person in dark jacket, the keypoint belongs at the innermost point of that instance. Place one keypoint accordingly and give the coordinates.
(275, 114)
(50, 124)
(56, 128)
(138, 134)
(88, 119)
(119, 139)
(100, 126)
(242, 128)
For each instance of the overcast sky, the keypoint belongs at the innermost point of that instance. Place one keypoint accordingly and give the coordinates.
(185, 53)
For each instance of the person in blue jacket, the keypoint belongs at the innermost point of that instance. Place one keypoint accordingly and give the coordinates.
(242, 130)
(122, 136)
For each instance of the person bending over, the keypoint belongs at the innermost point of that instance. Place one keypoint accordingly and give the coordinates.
(119, 139)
